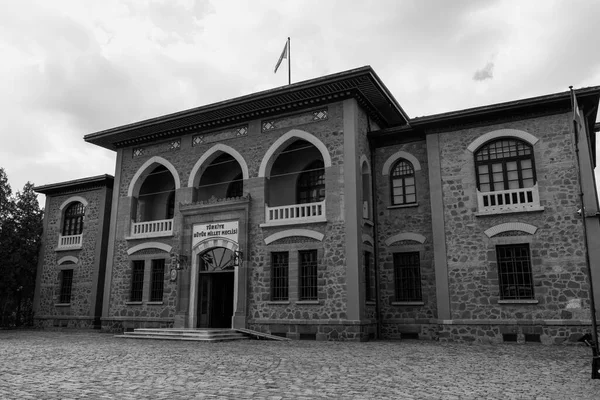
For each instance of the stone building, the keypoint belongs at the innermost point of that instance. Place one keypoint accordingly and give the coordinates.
(320, 210)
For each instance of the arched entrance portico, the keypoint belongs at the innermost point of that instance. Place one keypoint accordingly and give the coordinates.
(213, 295)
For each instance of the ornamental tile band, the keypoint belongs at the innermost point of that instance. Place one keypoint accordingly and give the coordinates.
(268, 125)
(175, 144)
(199, 139)
(320, 115)
(138, 152)
(242, 130)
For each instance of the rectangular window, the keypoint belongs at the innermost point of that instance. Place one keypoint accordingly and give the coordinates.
(66, 284)
(369, 277)
(157, 281)
(137, 280)
(279, 276)
(514, 272)
(308, 275)
(407, 276)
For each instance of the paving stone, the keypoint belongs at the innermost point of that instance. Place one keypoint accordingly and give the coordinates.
(92, 365)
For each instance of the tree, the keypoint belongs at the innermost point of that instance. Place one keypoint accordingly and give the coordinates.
(20, 240)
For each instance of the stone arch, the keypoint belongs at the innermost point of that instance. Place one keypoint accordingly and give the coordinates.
(67, 259)
(281, 143)
(216, 242)
(209, 156)
(73, 199)
(150, 245)
(294, 232)
(145, 169)
(415, 237)
(500, 133)
(368, 239)
(395, 157)
(362, 161)
(510, 226)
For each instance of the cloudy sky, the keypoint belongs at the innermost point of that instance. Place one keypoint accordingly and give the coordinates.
(70, 68)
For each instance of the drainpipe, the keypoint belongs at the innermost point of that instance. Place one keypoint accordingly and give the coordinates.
(375, 230)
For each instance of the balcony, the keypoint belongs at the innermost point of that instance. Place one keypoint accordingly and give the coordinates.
(151, 229)
(70, 242)
(509, 201)
(295, 214)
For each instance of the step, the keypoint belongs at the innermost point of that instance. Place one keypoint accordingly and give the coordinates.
(207, 335)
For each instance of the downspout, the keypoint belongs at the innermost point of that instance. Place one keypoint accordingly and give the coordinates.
(375, 229)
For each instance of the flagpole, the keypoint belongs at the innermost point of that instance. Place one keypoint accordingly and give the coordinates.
(595, 345)
(289, 62)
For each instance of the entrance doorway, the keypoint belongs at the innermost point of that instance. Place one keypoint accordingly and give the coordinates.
(216, 286)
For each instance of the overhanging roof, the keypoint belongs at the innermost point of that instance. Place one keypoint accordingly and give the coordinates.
(76, 185)
(587, 98)
(363, 84)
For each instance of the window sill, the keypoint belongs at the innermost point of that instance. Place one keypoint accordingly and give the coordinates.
(282, 302)
(521, 301)
(154, 303)
(68, 248)
(371, 303)
(133, 303)
(62, 305)
(149, 235)
(403, 206)
(313, 302)
(408, 303)
(485, 213)
(368, 222)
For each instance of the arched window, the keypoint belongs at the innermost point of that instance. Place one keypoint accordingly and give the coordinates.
(73, 220)
(505, 164)
(311, 183)
(171, 205)
(236, 187)
(402, 183)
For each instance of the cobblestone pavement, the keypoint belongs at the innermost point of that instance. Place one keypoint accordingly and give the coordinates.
(93, 365)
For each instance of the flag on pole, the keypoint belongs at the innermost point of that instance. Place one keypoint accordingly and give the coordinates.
(577, 119)
(284, 54)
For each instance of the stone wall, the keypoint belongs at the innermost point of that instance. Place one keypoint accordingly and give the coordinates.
(399, 317)
(557, 247)
(81, 311)
(252, 144)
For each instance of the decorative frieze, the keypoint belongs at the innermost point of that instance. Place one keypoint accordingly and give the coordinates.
(138, 151)
(175, 144)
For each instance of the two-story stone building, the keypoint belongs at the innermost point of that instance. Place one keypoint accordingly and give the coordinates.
(320, 210)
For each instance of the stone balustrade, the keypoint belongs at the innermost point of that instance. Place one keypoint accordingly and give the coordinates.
(295, 213)
(512, 200)
(162, 227)
(69, 242)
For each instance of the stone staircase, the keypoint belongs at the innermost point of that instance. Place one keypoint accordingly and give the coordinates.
(198, 335)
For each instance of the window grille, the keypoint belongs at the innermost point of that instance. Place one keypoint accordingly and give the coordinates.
(236, 187)
(403, 183)
(279, 276)
(137, 280)
(369, 277)
(308, 274)
(407, 276)
(311, 183)
(73, 220)
(514, 272)
(505, 164)
(157, 282)
(66, 285)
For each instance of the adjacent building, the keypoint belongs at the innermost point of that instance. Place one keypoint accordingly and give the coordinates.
(320, 210)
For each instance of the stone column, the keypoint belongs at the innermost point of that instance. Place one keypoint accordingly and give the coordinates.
(352, 212)
(438, 227)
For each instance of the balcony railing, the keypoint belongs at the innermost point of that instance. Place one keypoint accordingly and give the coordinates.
(512, 200)
(295, 213)
(70, 242)
(162, 227)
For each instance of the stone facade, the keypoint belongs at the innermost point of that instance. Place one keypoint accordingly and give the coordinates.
(86, 260)
(357, 233)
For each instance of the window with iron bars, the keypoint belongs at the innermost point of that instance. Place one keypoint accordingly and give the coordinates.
(369, 277)
(157, 281)
(137, 280)
(407, 276)
(514, 272)
(66, 285)
(308, 274)
(279, 276)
